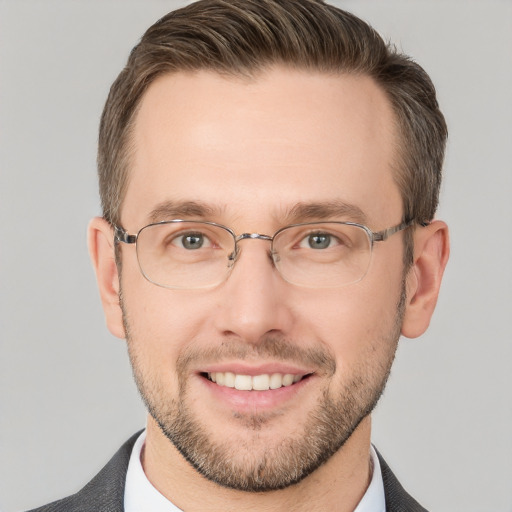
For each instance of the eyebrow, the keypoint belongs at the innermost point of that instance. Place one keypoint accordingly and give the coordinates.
(335, 210)
(300, 212)
(168, 210)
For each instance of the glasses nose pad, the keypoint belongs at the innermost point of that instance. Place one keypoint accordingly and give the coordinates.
(275, 257)
(233, 257)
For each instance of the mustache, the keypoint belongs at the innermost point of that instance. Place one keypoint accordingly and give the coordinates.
(276, 348)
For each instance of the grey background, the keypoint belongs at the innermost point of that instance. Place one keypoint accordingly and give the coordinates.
(66, 395)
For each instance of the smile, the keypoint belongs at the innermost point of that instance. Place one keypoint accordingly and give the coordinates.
(261, 382)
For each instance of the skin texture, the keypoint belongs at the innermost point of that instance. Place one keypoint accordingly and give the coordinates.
(251, 150)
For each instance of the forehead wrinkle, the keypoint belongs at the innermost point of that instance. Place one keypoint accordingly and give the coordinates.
(168, 210)
(324, 210)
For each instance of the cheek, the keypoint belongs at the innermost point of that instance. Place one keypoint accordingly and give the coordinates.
(357, 322)
(160, 322)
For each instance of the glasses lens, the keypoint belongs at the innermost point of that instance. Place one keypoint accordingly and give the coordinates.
(322, 255)
(180, 254)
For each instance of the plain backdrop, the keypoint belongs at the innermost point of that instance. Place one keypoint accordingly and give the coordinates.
(67, 400)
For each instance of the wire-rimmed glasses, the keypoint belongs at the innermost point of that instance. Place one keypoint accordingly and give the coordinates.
(184, 254)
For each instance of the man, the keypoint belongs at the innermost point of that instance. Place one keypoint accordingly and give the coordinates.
(269, 174)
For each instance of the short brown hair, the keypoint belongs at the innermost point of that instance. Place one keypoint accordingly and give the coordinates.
(241, 37)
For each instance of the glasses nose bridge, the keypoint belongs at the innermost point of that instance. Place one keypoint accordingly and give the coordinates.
(253, 236)
(248, 236)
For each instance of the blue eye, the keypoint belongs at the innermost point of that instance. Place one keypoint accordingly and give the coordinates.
(192, 241)
(319, 240)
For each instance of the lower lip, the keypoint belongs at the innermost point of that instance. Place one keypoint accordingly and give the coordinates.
(248, 401)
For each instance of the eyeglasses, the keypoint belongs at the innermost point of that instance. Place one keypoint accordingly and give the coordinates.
(183, 254)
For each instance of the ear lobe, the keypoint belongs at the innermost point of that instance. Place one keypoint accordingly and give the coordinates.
(431, 252)
(101, 250)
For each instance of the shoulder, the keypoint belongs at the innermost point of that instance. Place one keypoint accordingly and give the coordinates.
(397, 498)
(104, 493)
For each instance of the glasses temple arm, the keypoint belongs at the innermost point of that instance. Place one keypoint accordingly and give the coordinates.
(380, 236)
(120, 235)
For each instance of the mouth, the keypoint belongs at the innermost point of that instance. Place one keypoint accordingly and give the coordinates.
(262, 382)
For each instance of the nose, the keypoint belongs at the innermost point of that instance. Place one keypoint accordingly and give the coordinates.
(256, 301)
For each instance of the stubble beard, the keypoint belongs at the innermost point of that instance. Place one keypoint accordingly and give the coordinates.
(248, 463)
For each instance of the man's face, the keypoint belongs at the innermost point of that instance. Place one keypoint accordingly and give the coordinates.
(246, 154)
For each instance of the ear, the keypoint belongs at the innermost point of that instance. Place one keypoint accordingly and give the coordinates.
(431, 251)
(101, 249)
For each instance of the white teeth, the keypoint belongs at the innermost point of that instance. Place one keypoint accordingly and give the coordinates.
(288, 380)
(229, 379)
(276, 381)
(261, 382)
(243, 382)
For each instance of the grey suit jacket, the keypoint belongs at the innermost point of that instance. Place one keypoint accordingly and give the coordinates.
(105, 492)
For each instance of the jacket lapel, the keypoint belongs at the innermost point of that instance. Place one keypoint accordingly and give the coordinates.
(105, 492)
(397, 499)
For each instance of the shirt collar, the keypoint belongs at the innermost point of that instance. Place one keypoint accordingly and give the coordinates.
(139, 494)
(374, 499)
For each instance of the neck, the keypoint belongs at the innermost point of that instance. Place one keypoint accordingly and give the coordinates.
(339, 484)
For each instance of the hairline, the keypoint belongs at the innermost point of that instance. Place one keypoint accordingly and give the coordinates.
(397, 164)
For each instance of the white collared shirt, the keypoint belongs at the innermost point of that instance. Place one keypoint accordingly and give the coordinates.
(141, 496)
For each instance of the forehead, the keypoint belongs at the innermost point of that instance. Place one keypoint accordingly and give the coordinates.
(253, 149)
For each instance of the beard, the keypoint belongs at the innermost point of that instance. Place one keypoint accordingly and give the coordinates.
(255, 462)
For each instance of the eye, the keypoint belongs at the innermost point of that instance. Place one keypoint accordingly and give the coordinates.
(319, 241)
(192, 241)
